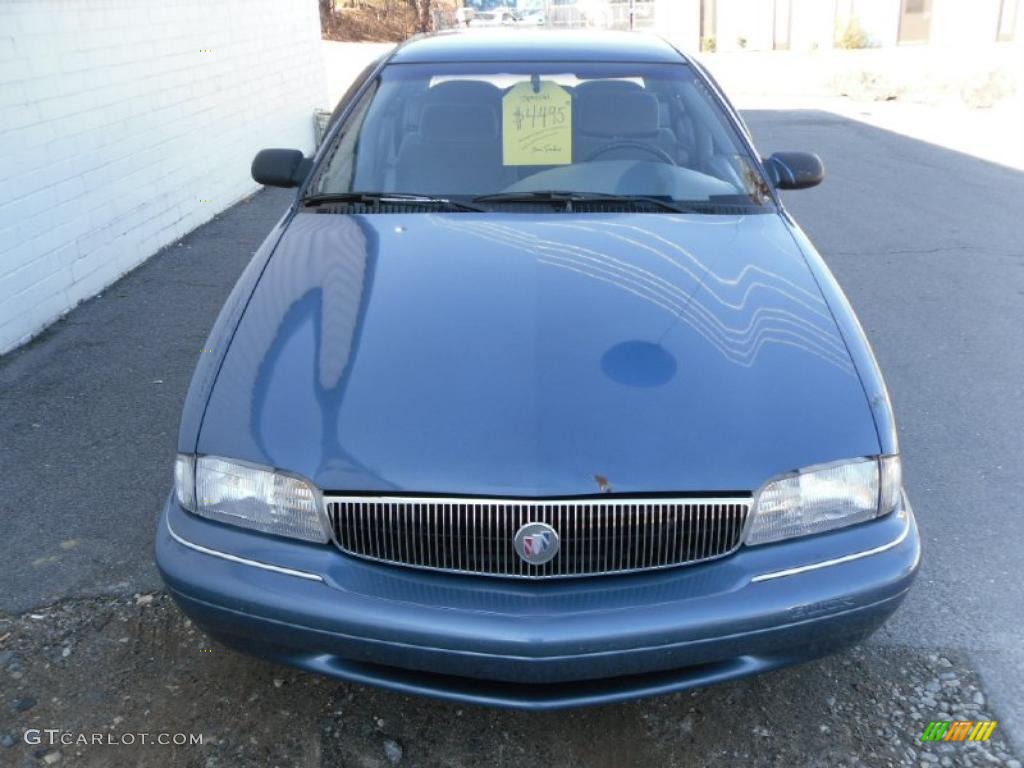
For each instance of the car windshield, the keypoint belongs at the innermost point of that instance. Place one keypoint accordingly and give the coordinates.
(533, 130)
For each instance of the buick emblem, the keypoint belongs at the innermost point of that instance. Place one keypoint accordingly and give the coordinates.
(536, 543)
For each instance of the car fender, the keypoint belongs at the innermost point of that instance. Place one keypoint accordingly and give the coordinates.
(856, 340)
(219, 339)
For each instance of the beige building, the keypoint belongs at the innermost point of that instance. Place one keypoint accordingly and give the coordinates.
(730, 25)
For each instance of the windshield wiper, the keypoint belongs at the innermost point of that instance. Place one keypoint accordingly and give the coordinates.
(570, 198)
(373, 198)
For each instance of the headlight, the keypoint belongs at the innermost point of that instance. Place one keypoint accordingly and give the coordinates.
(250, 497)
(821, 499)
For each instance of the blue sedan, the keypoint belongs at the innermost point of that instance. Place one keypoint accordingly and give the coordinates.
(536, 396)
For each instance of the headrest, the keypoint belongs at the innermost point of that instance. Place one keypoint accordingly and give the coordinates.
(464, 92)
(607, 86)
(453, 122)
(616, 112)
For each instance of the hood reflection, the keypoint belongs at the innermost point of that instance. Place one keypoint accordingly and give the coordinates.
(722, 308)
(323, 288)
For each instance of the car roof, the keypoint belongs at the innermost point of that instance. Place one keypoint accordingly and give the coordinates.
(536, 45)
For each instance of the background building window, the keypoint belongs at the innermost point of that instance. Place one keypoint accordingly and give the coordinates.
(708, 24)
(1007, 20)
(783, 24)
(915, 21)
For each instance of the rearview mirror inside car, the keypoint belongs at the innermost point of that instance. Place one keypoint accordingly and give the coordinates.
(280, 167)
(795, 170)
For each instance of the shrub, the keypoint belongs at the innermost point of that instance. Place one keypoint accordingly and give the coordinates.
(852, 35)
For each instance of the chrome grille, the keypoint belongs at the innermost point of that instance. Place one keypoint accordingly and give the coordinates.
(597, 536)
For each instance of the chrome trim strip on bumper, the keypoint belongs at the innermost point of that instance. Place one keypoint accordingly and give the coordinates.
(241, 560)
(837, 560)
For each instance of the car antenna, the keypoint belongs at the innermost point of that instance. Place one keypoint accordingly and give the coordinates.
(535, 82)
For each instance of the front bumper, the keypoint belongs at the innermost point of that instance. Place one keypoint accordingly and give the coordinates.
(544, 644)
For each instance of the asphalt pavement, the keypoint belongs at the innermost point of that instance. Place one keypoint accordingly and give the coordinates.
(89, 416)
(926, 242)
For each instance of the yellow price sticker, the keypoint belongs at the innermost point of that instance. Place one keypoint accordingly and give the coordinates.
(536, 127)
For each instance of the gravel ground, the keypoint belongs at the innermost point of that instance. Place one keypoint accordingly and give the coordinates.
(122, 667)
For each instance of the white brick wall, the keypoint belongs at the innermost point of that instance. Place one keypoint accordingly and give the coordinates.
(119, 119)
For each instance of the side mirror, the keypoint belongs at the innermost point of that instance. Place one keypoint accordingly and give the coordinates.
(280, 167)
(795, 170)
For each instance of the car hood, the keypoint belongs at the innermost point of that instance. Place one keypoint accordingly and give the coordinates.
(537, 355)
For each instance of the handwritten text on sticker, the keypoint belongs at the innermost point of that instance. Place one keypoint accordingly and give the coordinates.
(537, 126)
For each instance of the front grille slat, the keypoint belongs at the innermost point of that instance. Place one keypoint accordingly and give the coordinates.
(435, 531)
(449, 542)
(663, 541)
(684, 526)
(649, 535)
(620, 537)
(597, 536)
(726, 529)
(415, 545)
(502, 557)
(417, 533)
(634, 536)
(521, 566)
(579, 540)
(361, 525)
(404, 516)
(703, 532)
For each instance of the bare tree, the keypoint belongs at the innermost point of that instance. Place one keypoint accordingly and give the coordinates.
(422, 9)
(425, 16)
(326, 17)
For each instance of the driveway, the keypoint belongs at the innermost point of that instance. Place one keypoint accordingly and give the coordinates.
(926, 243)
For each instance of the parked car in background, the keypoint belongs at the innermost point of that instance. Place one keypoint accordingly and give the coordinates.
(493, 18)
(530, 14)
(537, 396)
(578, 13)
